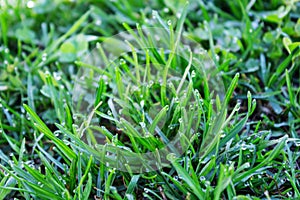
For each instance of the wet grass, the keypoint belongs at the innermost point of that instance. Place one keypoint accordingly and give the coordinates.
(234, 127)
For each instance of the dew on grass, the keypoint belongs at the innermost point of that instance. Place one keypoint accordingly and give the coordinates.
(122, 61)
(259, 176)
(154, 12)
(142, 103)
(202, 178)
(169, 22)
(171, 156)
(193, 74)
(30, 4)
(290, 193)
(98, 22)
(150, 84)
(191, 107)
(178, 15)
(171, 127)
(6, 173)
(57, 76)
(180, 120)
(157, 37)
(207, 183)
(143, 125)
(44, 57)
(147, 134)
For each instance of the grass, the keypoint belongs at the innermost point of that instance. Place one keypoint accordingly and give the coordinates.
(161, 125)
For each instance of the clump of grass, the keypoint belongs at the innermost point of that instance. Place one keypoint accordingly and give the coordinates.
(241, 145)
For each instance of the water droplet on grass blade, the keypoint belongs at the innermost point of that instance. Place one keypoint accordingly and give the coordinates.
(143, 125)
(169, 22)
(193, 74)
(44, 57)
(142, 103)
(30, 4)
(122, 61)
(171, 157)
(202, 178)
(98, 22)
(57, 76)
(154, 12)
(178, 15)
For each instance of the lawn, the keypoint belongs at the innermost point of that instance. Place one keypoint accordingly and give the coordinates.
(154, 99)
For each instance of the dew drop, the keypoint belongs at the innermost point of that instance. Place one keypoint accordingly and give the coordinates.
(180, 120)
(98, 22)
(171, 127)
(44, 57)
(142, 103)
(122, 61)
(56, 76)
(290, 193)
(169, 23)
(143, 125)
(154, 12)
(30, 4)
(202, 178)
(193, 74)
